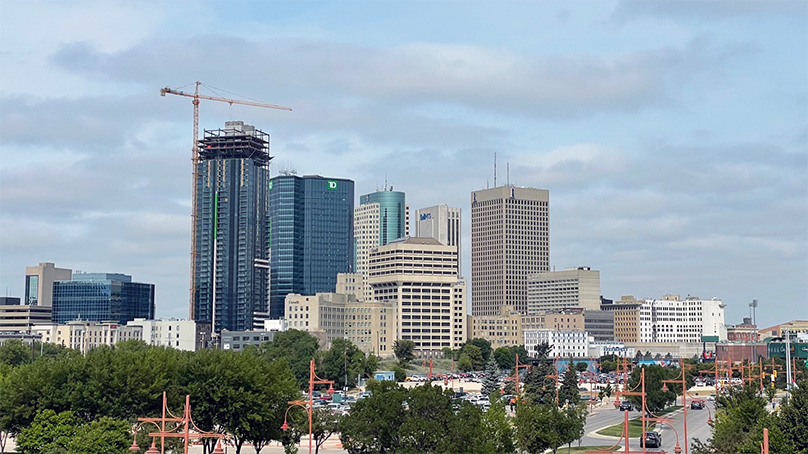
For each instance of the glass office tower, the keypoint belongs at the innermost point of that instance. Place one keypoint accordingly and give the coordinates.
(392, 214)
(102, 297)
(232, 241)
(311, 235)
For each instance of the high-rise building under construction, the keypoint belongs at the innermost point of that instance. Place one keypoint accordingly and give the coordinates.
(232, 238)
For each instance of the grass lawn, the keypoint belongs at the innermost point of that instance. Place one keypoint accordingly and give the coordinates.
(634, 425)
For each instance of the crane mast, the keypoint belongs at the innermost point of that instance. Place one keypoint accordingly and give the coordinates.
(195, 173)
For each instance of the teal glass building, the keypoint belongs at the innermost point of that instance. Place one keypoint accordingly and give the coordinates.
(232, 229)
(392, 214)
(101, 297)
(311, 235)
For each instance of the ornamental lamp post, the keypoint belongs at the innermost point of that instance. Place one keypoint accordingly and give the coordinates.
(308, 404)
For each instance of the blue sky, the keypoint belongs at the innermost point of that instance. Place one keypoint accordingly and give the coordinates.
(671, 135)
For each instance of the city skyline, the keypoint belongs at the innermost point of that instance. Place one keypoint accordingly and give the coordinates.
(672, 136)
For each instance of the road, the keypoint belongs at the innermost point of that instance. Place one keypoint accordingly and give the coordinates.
(697, 427)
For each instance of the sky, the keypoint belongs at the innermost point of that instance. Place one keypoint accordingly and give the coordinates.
(671, 135)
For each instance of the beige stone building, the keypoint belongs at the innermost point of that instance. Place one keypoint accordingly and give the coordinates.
(18, 317)
(369, 325)
(85, 336)
(419, 277)
(510, 239)
(556, 290)
(507, 329)
(793, 327)
(39, 283)
(626, 318)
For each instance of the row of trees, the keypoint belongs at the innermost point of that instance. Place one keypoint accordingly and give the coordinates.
(243, 394)
(741, 416)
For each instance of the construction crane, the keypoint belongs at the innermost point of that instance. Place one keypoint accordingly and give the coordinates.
(195, 160)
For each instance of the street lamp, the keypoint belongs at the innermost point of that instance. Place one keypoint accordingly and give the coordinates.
(308, 404)
(182, 429)
(680, 380)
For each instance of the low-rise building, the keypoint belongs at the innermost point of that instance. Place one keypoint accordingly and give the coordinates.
(674, 320)
(16, 317)
(626, 318)
(565, 343)
(794, 327)
(87, 335)
(238, 340)
(599, 325)
(185, 335)
(619, 349)
(743, 332)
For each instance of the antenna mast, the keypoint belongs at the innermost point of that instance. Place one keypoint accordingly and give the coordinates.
(495, 169)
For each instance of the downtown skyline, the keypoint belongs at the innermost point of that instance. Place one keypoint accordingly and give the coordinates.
(672, 139)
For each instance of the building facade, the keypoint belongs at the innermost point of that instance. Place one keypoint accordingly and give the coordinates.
(369, 325)
(565, 343)
(419, 277)
(102, 297)
(184, 335)
(793, 327)
(87, 335)
(39, 283)
(556, 290)
(311, 235)
(599, 325)
(510, 239)
(381, 217)
(442, 223)
(21, 318)
(232, 232)
(238, 340)
(674, 320)
(743, 332)
(626, 318)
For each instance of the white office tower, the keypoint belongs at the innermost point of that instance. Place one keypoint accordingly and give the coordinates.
(419, 276)
(682, 321)
(510, 240)
(442, 223)
(556, 290)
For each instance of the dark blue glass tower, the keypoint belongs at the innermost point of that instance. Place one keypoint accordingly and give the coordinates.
(102, 297)
(232, 241)
(311, 235)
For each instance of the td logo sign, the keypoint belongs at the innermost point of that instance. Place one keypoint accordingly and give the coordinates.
(332, 185)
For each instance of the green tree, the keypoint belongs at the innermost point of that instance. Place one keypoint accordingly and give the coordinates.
(344, 360)
(568, 392)
(506, 360)
(401, 374)
(404, 350)
(49, 433)
(295, 347)
(490, 383)
(105, 436)
(464, 363)
(483, 345)
(429, 418)
(543, 350)
(475, 355)
(324, 424)
(499, 433)
(573, 419)
(540, 387)
(537, 427)
(373, 424)
(15, 353)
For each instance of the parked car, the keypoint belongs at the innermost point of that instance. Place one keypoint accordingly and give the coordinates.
(626, 406)
(711, 397)
(652, 440)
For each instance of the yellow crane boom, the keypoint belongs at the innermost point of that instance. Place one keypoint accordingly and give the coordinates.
(195, 160)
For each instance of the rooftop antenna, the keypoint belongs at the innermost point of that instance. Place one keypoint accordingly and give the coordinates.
(385, 181)
(508, 173)
(495, 169)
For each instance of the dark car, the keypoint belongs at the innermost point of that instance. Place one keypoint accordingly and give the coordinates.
(626, 406)
(652, 440)
(697, 405)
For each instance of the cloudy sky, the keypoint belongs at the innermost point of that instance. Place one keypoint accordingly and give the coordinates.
(671, 135)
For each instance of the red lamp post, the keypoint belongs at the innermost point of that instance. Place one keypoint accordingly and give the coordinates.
(680, 380)
(181, 429)
(516, 377)
(308, 404)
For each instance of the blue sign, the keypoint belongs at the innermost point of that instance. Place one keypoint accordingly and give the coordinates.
(426, 216)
